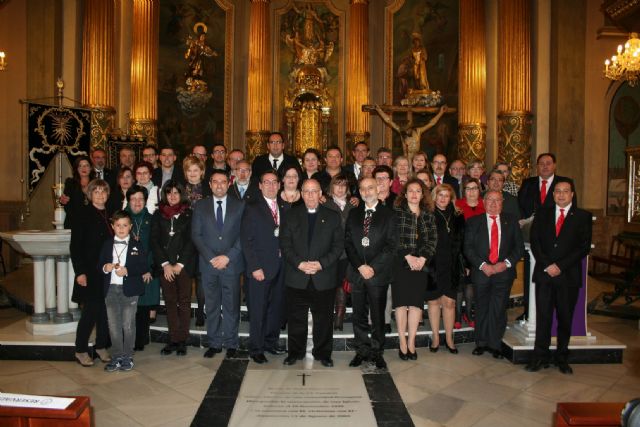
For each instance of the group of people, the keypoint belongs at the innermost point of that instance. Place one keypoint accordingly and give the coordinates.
(390, 234)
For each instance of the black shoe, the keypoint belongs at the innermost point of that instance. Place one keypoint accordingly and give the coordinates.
(231, 353)
(168, 349)
(479, 350)
(403, 356)
(452, 350)
(497, 354)
(259, 358)
(182, 349)
(413, 356)
(212, 351)
(387, 328)
(327, 363)
(200, 321)
(356, 361)
(434, 349)
(379, 361)
(535, 365)
(291, 360)
(565, 368)
(138, 348)
(276, 351)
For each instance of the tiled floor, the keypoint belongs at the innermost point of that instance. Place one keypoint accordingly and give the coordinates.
(439, 389)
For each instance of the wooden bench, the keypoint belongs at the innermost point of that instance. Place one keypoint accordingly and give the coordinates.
(620, 255)
(588, 414)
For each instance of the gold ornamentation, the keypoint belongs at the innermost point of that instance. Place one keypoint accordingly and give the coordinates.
(633, 198)
(144, 127)
(256, 144)
(514, 142)
(472, 141)
(102, 121)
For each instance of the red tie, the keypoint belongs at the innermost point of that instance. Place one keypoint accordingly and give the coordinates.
(493, 248)
(543, 191)
(559, 222)
(439, 180)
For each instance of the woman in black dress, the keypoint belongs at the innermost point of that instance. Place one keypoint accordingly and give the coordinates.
(417, 237)
(74, 197)
(90, 229)
(290, 196)
(448, 265)
(118, 195)
(174, 261)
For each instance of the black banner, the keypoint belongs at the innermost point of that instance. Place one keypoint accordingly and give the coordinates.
(54, 129)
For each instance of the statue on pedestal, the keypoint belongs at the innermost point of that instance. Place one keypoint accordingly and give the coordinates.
(196, 96)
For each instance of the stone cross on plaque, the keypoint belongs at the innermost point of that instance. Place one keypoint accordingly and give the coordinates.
(304, 375)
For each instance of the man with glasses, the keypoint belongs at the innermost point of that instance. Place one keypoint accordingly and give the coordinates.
(264, 268)
(219, 157)
(99, 162)
(457, 170)
(560, 240)
(243, 188)
(312, 240)
(439, 167)
(510, 204)
(384, 157)
(150, 155)
(509, 186)
(493, 245)
(275, 159)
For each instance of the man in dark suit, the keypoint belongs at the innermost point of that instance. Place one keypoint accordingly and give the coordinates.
(215, 231)
(360, 152)
(276, 159)
(536, 191)
(99, 161)
(439, 167)
(510, 202)
(259, 235)
(369, 243)
(560, 239)
(168, 168)
(493, 246)
(312, 240)
(243, 188)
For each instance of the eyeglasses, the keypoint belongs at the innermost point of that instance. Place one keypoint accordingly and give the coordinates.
(471, 188)
(219, 151)
(275, 142)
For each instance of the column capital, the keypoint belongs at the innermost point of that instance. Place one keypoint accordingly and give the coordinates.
(365, 2)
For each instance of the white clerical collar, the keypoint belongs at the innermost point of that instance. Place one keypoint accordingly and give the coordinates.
(312, 211)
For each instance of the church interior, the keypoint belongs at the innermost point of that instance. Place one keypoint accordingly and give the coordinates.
(512, 79)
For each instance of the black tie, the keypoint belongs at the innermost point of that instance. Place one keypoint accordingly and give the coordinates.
(219, 221)
(367, 221)
(120, 242)
(275, 164)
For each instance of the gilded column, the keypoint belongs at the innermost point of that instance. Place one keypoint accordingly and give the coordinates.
(259, 88)
(514, 86)
(472, 77)
(144, 69)
(357, 123)
(98, 67)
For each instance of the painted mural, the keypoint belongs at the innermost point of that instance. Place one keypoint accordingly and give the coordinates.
(427, 29)
(191, 73)
(624, 132)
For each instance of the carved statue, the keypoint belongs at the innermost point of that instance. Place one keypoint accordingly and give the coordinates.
(309, 16)
(410, 135)
(197, 51)
(419, 59)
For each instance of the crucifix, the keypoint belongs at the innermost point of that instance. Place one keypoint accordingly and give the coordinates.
(304, 375)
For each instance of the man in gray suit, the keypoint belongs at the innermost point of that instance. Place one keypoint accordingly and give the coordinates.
(215, 231)
(312, 240)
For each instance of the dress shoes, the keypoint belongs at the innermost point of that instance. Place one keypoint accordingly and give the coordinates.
(212, 351)
(138, 348)
(356, 361)
(413, 356)
(403, 356)
(291, 360)
(564, 368)
(199, 321)
(497, 354)
(169, 348)
(276, 351)
(479, 350)
(327, 363)
(231, 353)
(181, 349)
(259, 358)
(535, 365)
(452, 350)
(379, 362)
(434, 349)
